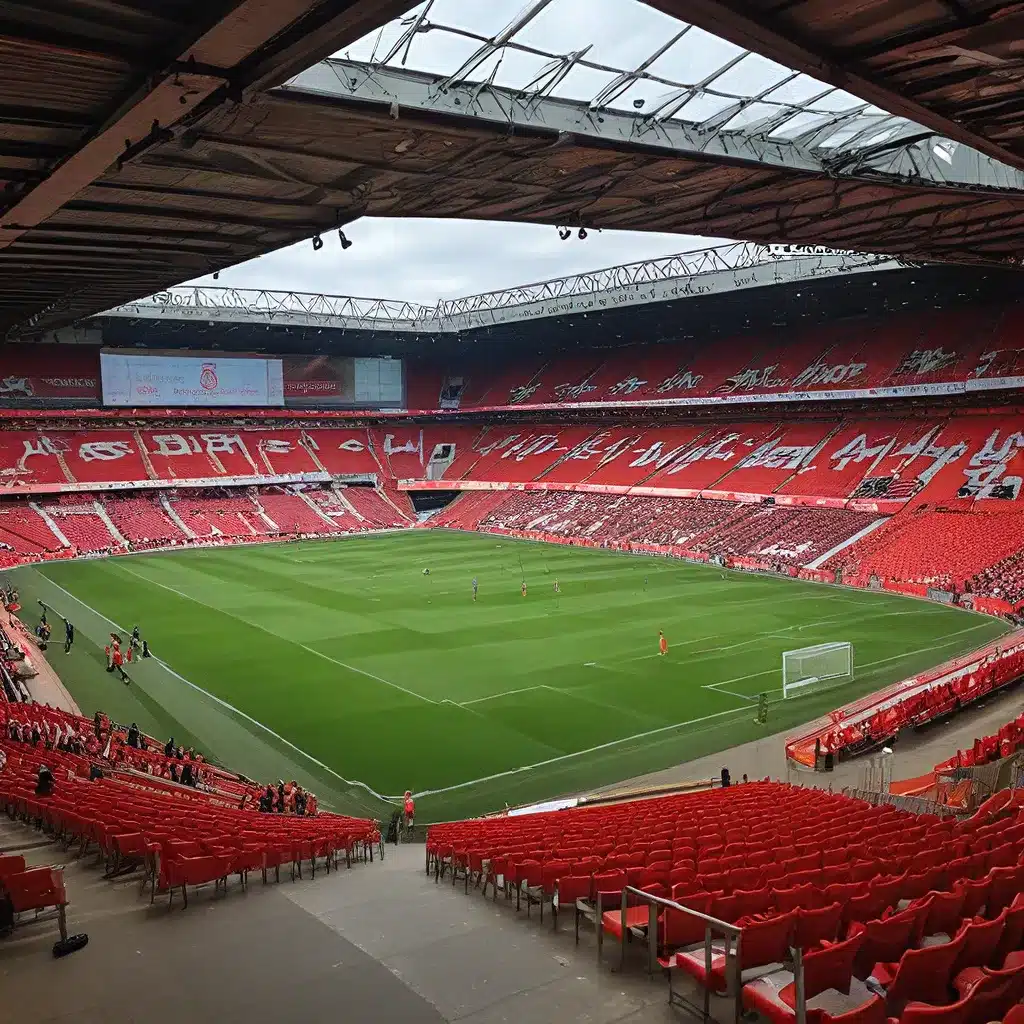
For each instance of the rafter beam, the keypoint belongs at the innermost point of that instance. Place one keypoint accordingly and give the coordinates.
(732, 20)
(200, 70)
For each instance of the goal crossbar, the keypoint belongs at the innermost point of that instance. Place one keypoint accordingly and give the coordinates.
(807, 666)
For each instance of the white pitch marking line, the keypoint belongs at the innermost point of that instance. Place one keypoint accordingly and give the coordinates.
(270, 632)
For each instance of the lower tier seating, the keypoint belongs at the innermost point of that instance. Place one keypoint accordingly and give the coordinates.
(101, 794)
(878, 912)
(936, 547)
(791, 535)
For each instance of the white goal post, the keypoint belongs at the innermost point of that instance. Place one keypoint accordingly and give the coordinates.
(809, 665)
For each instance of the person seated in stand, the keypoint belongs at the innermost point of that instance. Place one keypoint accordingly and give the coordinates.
(133, 737)
(311, 805)
(169, 748)
(44, 782)
(187, 777)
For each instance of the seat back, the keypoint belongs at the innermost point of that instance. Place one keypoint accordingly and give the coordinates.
(817, 925)
(830, 967)
(766, 941)
(676, 929)
(924, 975)
(795, 896)
(980, 941)
(945, 910)
(885, 939)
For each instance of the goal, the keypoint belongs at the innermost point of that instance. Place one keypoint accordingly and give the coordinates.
(810, 665)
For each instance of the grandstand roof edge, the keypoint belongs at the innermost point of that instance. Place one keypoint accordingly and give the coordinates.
(738, 266)
(908, 153)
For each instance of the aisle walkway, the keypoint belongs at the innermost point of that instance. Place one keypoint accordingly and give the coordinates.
(477, 961)
(377, 943)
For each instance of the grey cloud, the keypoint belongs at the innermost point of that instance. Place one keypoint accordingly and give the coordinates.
(426, 260)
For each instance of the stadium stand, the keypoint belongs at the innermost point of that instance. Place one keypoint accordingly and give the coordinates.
(901, 351)
(876, 720)
(120, 793)
(890, 500)
(877, 910)
(1007, 741)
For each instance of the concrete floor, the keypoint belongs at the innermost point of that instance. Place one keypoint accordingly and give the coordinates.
(380, 942)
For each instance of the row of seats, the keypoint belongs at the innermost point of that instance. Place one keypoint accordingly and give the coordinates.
(111, 521)
(1007, 741)
(180, 835)
(928, 704)
(889, 908)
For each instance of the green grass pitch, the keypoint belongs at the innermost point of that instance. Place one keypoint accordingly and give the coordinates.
(372, 677)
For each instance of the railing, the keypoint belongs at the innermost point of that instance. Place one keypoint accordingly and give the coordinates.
(713, 928)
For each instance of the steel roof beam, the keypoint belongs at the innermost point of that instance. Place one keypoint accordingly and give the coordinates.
(204, 68)
(406, 91)
(731, 20)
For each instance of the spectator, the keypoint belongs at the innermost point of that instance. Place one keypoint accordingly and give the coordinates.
(44, 782)
(169, 748)
(726, 780)
(133, 737)
(409, 808)
(280, 796)
(187, 778)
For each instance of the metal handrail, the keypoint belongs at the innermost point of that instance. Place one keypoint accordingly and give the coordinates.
(712, 926)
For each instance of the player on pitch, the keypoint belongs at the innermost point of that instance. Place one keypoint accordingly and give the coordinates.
(662, 643)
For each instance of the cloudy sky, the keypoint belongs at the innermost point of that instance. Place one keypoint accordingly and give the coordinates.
(438, 260)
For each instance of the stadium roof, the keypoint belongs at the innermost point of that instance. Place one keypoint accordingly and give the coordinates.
(132, 167)
(735, 267)
(952, 65)
(86, 85)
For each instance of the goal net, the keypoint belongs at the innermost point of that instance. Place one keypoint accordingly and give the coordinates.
(810, 665)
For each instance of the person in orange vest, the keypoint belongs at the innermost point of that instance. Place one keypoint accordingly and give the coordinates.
(662, 643)
(410, 809)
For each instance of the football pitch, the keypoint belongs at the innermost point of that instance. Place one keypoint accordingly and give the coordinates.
(342, 664)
